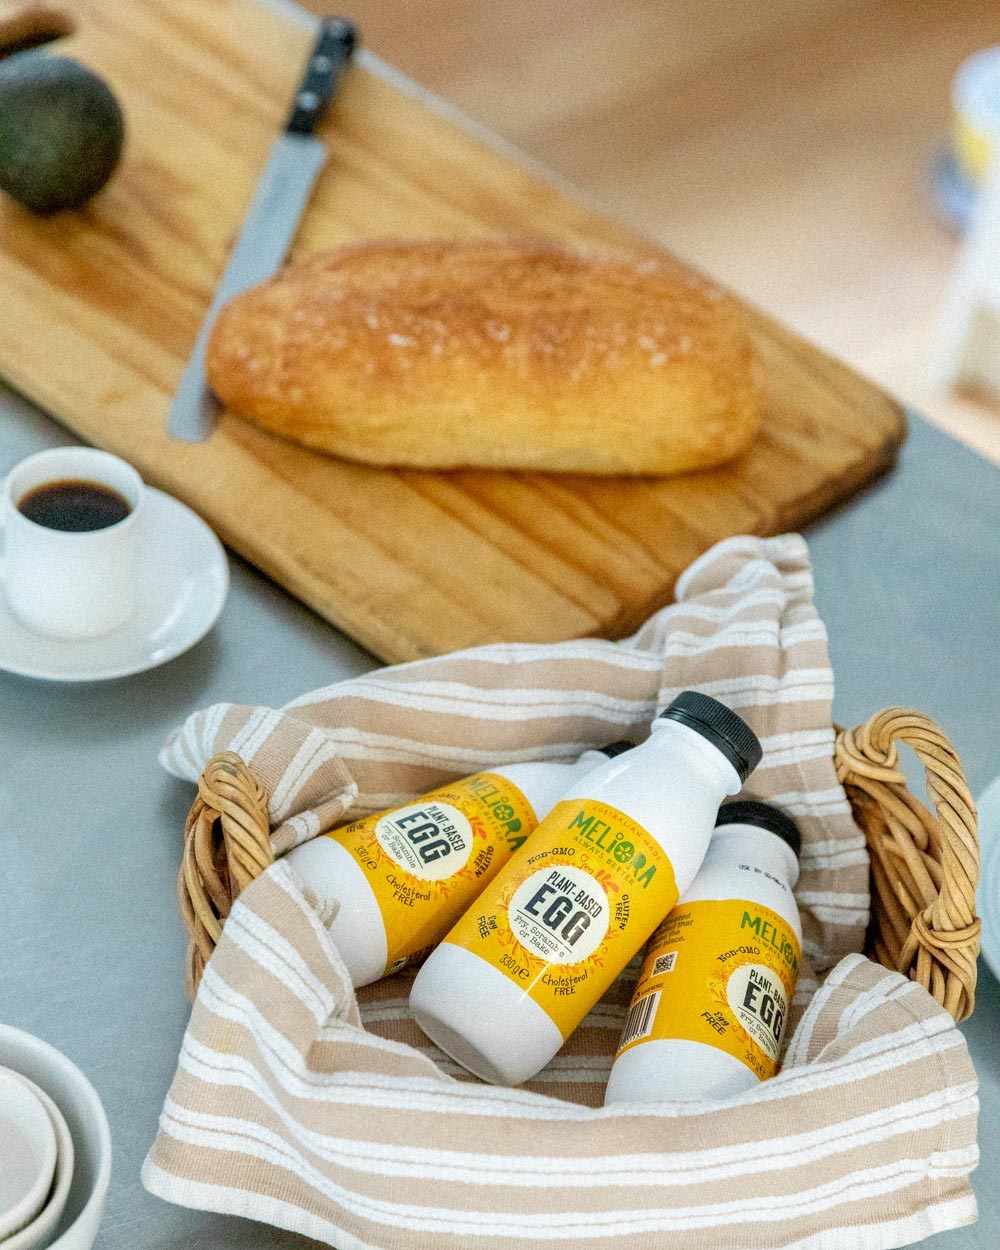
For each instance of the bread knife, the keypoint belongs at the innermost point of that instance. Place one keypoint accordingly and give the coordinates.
(270, 224)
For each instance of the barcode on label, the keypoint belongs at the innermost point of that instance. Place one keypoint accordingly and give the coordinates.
(640, 1019)
(664, 963)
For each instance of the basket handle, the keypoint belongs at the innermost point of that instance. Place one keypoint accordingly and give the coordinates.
(227, 843)
(924, 871)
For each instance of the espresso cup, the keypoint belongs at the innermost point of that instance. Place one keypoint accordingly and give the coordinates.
(70, 583)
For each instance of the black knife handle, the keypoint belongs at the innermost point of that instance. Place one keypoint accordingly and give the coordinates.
(332, 51)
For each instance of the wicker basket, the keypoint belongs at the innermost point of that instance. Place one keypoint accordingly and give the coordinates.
(924, 870)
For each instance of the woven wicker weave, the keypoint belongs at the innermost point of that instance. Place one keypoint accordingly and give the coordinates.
(227, 843)
(924, 870)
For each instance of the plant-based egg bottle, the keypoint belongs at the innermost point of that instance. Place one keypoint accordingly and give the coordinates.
(400, 879)
(711, 1003)
(547, 937)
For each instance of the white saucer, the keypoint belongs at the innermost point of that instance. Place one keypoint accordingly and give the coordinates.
(81, 1108)
(28, 1152)
(988, 894)
(185, 579)
(39, 1232)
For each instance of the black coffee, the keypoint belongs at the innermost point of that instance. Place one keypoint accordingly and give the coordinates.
(74, 504)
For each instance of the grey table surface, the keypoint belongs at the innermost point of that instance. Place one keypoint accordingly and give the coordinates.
(907, 580)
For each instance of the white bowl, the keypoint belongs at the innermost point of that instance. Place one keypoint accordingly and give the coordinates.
(40, 1232)
(78, 1102)
(27, 1154)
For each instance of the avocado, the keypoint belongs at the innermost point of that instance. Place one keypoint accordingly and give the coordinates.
(61, 131)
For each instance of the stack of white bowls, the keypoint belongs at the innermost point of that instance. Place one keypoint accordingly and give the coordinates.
(55, 1148)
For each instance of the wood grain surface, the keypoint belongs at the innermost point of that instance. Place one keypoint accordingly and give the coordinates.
(787, 148)
(101, 309)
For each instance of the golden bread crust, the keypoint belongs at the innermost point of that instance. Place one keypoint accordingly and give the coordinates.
(492, 354)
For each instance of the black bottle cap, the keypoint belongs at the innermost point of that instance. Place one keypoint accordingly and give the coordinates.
(721, 726)
(764, 816)
(616, 748)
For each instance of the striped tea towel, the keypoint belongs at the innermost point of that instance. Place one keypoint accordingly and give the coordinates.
(305, 1105)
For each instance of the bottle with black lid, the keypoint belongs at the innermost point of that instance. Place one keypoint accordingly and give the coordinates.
(708, 1015)
(547, 937)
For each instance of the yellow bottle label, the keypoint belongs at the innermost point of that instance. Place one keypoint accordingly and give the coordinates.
(565, 916)
(426, 861)
(721, 972)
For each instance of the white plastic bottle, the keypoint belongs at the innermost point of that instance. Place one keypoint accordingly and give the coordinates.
(547, 937)
(711, 1003)
(398, 880)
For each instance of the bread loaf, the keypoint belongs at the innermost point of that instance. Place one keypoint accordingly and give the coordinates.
(498, 355)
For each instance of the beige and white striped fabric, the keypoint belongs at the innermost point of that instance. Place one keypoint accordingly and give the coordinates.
(302, 1105)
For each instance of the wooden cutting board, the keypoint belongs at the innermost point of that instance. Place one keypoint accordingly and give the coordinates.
(101, 307)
